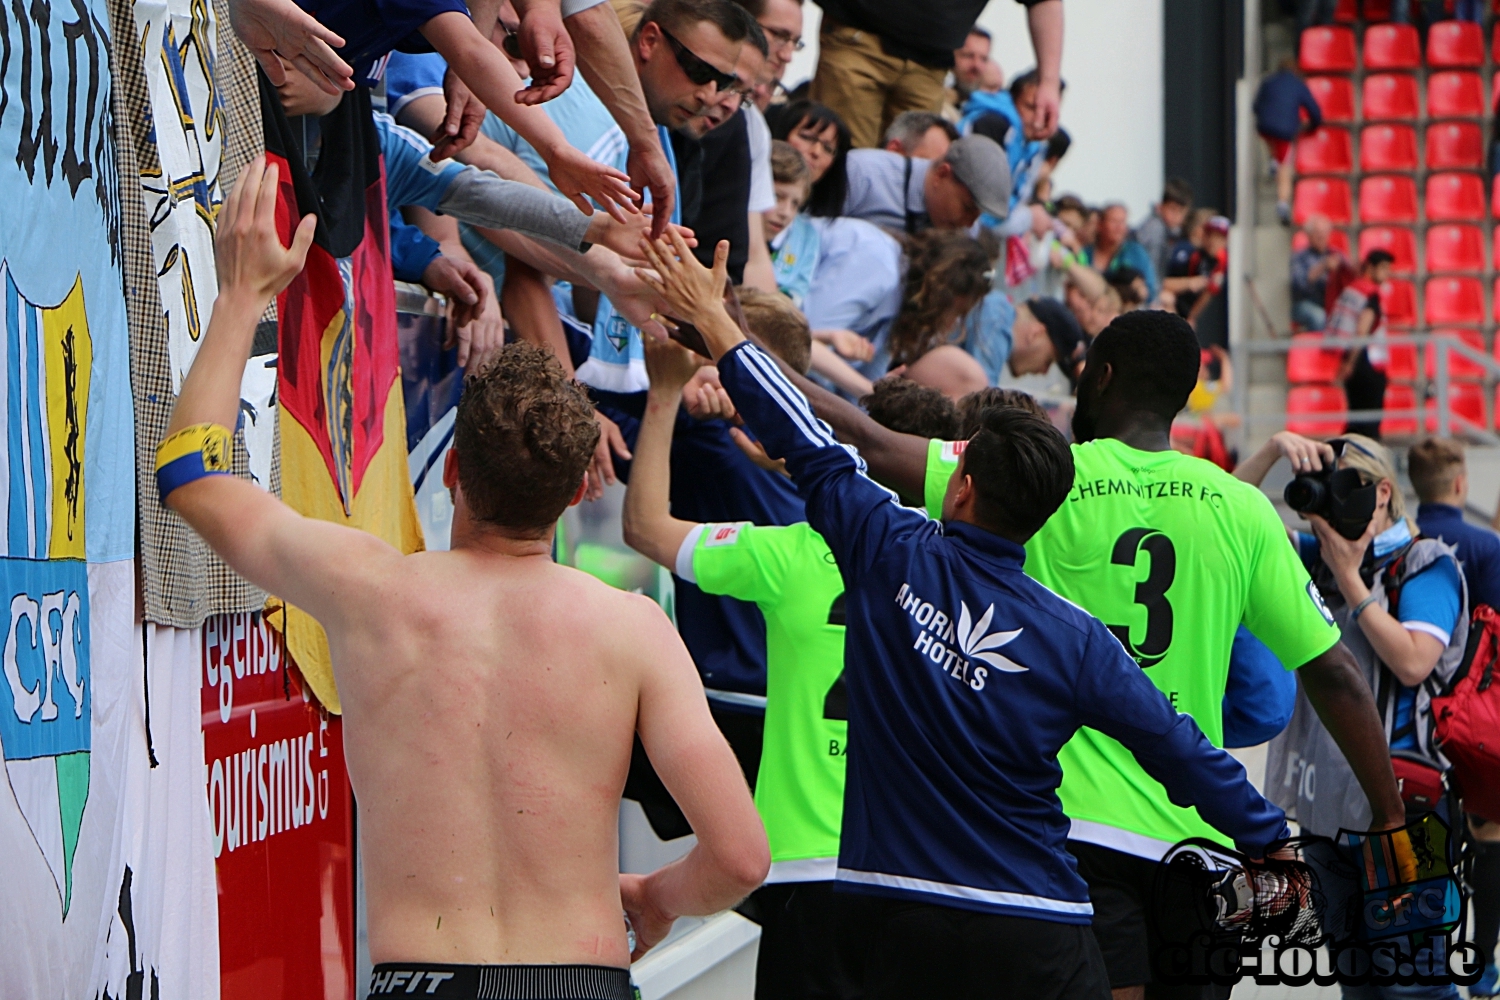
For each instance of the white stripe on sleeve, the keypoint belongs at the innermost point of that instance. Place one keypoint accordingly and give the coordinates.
(683, 565)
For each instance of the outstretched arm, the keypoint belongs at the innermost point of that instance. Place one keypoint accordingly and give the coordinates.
(487, 71)
(647, 520)
(604, 59)
(1045, 20)
(731, 857)
(272, 28)
(321, 567)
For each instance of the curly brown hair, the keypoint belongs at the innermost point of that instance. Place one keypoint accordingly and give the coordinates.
(524, 434)
(899, 404)
(971, 407)
(947, 274)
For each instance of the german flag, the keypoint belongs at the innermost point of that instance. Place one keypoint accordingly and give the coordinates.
(341, 414)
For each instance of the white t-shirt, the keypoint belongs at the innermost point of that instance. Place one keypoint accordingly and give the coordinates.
(762, 193)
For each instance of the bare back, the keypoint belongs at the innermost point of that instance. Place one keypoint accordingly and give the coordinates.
(490, 706)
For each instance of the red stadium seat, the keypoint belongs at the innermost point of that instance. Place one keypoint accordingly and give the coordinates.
(1327, 50)
(1387, 199)
(1401, 364)
(1329, 151)
(1335, 97)
(1449, 95)
(1398, 301)
(1391, 96)
(1454, 300)
(1455, 146)
(1337, 240)
(1465, 402)
(1452, 198)
(1496, 300)
(1309, 361)
(1326, 196)
(1347, 12)
(1400, 397)
(1399, 241)
(1495, 187)
(1316, 410)
(1452, 43)
(1391, 46)
(1386, 147)
(1455, 247)
(1377, 10)
(1458, 365)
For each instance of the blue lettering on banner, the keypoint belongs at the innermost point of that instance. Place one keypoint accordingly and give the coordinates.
(46, 694)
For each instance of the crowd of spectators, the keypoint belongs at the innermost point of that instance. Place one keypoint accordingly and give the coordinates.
(892, 231)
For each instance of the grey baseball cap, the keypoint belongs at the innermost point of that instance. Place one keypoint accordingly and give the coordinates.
(1068, 339)
(980, 165)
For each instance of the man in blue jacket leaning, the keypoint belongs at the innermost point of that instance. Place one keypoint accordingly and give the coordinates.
(964, 679)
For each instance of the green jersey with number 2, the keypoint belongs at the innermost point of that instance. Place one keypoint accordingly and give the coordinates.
(1173, 554)
(791, 576)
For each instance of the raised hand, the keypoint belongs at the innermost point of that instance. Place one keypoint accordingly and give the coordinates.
(670, 366)
(548, 50)
(251, 262)
(279, 27)
(690, 290)
(649, 170)
(461, 121)
(624, 236)
(602, 467)
(580, 178)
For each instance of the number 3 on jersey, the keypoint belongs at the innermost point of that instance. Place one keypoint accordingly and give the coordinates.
(1150, 593)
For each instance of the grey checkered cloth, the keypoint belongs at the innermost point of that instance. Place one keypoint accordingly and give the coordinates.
(183, 582)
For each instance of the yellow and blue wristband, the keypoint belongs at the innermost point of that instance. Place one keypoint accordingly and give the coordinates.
(192, 453)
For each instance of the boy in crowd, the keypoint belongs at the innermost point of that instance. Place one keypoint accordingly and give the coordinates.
(1161, 231)
(470, 871)
(793, 238)
(1198, 265)
(955, 842)
(1209, 564)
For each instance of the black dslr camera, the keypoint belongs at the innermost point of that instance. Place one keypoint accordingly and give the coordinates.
(1339, 496)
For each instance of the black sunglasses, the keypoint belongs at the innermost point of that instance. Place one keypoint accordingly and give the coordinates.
(699, 70)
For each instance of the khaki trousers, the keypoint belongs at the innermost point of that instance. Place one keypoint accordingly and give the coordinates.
(868, 88)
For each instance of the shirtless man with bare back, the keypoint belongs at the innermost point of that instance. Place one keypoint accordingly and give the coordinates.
(490, 696)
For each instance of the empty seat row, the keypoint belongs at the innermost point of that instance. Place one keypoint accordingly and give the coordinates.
(1309, 362)
(1450, 45)
(1318, 410)
(1396, 96)
(1451, 197)
(1382, 148)
(1450, 247)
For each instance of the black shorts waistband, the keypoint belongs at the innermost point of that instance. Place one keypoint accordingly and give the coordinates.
(501, 982)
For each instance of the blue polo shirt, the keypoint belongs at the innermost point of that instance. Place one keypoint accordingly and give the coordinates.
(1478, 549)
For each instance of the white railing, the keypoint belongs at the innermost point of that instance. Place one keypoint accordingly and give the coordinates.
(1444, 349)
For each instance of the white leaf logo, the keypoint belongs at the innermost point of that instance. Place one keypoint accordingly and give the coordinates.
(975, 644)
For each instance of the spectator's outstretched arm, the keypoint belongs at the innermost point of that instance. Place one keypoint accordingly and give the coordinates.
(1045, 20)
(272, 28)
(605, 61)
(488, 72)
(324, 568)
(647, 519)
(1342, 699)
(545, 46)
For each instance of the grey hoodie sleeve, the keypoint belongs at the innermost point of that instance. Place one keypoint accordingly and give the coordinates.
(480, 198)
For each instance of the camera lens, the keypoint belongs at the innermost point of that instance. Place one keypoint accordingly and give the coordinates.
(1305, 493)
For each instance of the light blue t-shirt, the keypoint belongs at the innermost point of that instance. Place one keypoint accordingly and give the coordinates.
(794, 258)
(411, 178)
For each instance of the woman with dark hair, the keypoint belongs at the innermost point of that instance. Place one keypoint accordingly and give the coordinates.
(821, 136)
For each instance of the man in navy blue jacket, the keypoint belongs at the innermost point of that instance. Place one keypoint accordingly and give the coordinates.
(964, 678)
(1440, 477)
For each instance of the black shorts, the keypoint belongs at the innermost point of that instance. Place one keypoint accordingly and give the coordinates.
(812, 940)
(921, 951)
(1121, 887)
(493, 982)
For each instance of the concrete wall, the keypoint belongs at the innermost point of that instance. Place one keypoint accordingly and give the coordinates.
(1112, 54)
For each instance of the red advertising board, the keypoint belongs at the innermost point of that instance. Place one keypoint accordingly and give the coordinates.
(281, 808)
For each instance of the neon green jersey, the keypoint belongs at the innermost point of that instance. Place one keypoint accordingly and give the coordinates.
(1173, 554)
(790, 574)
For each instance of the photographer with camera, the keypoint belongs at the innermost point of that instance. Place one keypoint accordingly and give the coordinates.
(1399, 599)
